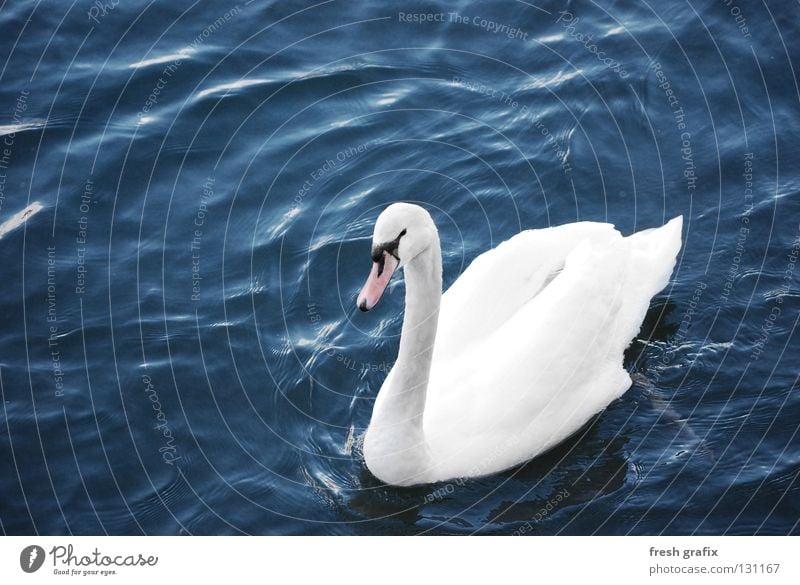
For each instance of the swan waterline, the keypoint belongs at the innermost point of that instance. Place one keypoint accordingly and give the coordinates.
(519, 353)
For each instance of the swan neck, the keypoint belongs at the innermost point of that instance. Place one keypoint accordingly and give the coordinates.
(395, 445)
(423, 280)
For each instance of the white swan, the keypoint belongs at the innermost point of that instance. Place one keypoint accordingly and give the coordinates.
(519, 352)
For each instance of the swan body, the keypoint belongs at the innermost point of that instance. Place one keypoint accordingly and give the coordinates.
(520, 352)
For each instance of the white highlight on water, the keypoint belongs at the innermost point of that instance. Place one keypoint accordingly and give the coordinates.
(19, 218)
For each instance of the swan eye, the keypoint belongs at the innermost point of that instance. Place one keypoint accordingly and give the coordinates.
(389, 248)
(392, 248)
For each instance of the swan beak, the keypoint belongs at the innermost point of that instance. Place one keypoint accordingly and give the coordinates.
(377, 280)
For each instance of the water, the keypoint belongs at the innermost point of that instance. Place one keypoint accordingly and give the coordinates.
(180, 350)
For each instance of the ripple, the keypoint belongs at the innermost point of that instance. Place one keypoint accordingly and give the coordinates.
(232, 87)
(178, 56)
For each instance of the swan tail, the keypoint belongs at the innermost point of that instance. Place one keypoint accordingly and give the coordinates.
(652, 255)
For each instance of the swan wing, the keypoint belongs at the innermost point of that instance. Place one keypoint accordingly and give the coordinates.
(500, 281)
(535, 379)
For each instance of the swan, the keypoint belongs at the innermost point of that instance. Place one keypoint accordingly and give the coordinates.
(519, 353)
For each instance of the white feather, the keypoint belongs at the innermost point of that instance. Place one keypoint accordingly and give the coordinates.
(528, 346)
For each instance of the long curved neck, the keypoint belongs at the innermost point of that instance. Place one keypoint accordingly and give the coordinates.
(423, 277)
(395, 445)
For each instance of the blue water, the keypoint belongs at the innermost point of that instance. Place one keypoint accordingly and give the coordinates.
(180, 350)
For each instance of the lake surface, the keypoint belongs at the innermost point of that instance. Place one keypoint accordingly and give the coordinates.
(180, 351)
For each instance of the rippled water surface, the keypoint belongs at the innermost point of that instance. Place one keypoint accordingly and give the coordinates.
(180, 350)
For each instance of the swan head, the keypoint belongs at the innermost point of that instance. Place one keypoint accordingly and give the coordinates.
(402, 232)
